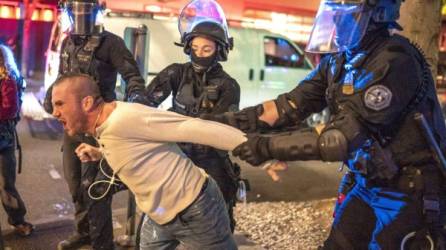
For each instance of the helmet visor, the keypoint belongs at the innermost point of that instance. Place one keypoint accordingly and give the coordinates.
(339, 25)
(199, 11)
(81, 17)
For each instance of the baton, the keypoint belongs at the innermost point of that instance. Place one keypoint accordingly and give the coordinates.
(435, 148)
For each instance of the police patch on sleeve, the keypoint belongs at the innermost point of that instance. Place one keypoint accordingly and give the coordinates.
(378, 97)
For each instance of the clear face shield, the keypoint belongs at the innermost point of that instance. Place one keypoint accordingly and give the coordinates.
(80, 18)
(199, 11)
(340, 25)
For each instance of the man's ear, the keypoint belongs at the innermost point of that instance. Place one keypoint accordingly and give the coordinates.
(88, 103)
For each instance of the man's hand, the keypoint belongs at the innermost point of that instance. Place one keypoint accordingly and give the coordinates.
(255, 150)
(88, 153)
(274, 167)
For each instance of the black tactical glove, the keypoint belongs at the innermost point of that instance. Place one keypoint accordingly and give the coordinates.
(255, 150)
(138, 98)
(246, 119)
(226, 118)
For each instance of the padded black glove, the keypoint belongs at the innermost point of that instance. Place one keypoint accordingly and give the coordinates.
(226, 118)
(255, 150)
(246, 119)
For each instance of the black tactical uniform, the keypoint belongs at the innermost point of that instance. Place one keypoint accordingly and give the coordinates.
(201, 87)
(394, 185)
(212, 92)
(101, 56)
(391, 168)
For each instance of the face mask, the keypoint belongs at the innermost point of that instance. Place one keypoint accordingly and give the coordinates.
(201, 64)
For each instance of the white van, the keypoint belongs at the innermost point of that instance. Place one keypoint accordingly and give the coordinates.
(263, 63)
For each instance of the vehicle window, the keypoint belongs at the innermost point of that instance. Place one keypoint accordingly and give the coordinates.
(279, 52)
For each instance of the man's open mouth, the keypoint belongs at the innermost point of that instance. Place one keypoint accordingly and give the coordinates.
(64, 123)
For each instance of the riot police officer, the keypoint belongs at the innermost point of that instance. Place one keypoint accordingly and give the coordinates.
(202, 86)
(374, 83)
(91, 50)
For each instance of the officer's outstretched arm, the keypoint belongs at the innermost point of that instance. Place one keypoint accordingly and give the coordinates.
(287, 109)
(333, 144)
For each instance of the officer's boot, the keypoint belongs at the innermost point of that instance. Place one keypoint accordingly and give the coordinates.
(74, 242)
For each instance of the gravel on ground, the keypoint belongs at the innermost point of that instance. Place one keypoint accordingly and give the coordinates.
(286, 225)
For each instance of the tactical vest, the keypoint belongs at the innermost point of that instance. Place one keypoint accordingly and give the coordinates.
(83, 58)
(404, 150)
(79, 59)
(195, 94)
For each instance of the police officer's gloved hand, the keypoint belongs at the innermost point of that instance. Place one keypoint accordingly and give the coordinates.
(248, 119)
(226, 118)
(137, 98)
(255, 150)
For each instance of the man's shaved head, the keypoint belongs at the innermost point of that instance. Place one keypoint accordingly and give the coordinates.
(80, 85)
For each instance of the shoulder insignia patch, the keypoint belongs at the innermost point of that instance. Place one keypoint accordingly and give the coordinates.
(378, 97)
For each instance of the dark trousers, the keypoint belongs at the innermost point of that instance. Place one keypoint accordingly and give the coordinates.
(202, 225)
(221, 170)
(374, 218)
(92, 217)
(11, 201)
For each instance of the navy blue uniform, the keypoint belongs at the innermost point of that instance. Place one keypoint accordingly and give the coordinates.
(394, 185)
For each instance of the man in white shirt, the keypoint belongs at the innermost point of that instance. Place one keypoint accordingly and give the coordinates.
(182, 203)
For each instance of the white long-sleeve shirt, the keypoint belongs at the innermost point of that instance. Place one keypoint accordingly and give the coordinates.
(139, 143)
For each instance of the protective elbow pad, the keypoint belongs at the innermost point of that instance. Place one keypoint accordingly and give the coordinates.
(301, 145)
(333, 145)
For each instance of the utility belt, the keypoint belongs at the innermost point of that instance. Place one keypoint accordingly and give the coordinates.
(407, 179)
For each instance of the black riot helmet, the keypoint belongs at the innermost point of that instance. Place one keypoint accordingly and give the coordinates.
(81, 17)
(341, 24)
(205, 18)
(386, 11)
